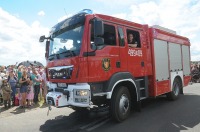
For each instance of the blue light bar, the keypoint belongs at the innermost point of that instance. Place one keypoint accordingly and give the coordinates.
(87, 11)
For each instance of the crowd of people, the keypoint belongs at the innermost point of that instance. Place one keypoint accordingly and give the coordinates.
(22, 86)
(195, 73)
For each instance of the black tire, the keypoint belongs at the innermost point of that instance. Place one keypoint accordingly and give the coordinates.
(174, 94)
(120, 104)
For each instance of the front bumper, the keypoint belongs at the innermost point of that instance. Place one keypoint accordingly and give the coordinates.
(70, 96)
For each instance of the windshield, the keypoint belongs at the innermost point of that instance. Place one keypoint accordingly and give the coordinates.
(68, 41)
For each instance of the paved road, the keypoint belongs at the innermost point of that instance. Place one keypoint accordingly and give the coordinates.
(161, 115)
(157, 115)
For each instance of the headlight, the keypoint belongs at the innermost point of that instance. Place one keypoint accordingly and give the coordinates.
(81, 92)
(81, 96)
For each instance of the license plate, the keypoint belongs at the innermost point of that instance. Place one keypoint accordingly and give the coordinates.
(62, 85)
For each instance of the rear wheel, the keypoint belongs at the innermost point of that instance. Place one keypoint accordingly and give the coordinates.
(173, 95)
(120, 104)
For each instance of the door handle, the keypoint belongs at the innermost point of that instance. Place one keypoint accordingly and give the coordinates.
(118, 64)
(142, 63)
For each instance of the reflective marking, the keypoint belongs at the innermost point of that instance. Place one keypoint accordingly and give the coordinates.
(60, 67)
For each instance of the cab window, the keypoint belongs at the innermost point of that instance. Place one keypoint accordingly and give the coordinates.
(109, 35)
(121, 36)
(133, 38)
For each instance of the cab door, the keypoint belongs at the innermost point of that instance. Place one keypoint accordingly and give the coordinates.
(135, 55)
(122, 49)
(105, 62)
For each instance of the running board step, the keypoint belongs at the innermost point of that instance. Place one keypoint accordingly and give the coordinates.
(141, 98)
(142, 84)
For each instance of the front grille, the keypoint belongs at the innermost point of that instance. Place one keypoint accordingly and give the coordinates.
(61, 72)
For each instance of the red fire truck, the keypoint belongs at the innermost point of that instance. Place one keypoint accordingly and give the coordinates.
(90, 63)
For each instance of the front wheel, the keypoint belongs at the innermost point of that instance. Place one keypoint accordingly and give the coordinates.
(173, 95)
(120, 104)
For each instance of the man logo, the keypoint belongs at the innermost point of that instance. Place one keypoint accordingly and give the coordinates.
(106, 64)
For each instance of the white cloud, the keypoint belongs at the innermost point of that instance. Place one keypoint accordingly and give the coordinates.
(145, 13)
(181, 16)
(120, 3)
(41, 13)
(20, 41)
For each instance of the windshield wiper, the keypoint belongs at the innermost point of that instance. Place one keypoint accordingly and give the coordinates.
(71, 53)
(54, 56)
(51, 57)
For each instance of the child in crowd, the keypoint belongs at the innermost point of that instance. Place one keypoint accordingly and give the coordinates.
(30, 94)
(18, 97)
(6, 88)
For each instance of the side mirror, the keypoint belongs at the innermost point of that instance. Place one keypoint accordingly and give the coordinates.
(98, 41)
(47, 49)
(42, 38)
(98, 28)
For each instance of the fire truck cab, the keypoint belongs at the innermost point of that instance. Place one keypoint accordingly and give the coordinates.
(90, 63)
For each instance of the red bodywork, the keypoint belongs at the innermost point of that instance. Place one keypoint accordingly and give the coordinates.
(158, 88)
(89, 69)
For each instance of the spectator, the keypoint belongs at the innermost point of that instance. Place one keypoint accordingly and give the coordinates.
(1, 77)
(25, 81)
(19, 72)
(1, 92)
(30, 94)
(3, 69)
(44, 84)
(36, 84)
(12, 80)
(6, 88)
(41, 84)
(29, 71)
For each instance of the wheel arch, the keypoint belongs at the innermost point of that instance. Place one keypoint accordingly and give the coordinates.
(181, 83)
(176, 89)
(122, 79)
(177, 75)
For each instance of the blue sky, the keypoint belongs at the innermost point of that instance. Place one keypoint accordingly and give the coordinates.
(23, 21)
(28, 9)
